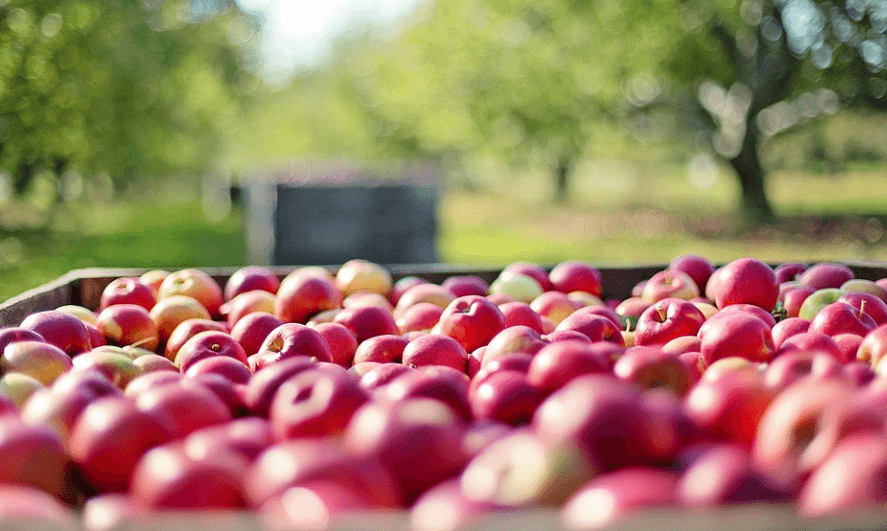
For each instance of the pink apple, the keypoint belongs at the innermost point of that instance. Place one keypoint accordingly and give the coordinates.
(246, 303)
(128, 290)
(433, 349)
(315, 403)
(264, 384)
(695, 266)
(26, 506)
(787, 328)
(575, 275)
(128, 324)
(188, 329)
(669, 284)
(868, 304)
(367, 321)
(402, 285)
(247, 437)
(463, 285)
(444, 384)
(724, 475)
(519, 338)
(520, 313)
(185, 408)
(738, 335)
(341, 340)
(650, 368)
(682, 345)
(251, 331)
(471, 320)
(790, 367)
(419, 316)
(42, 361)
(668, 319)
(207, 345)
(301, 297)
(749, 281)
(386, 348)
(60, 329)
(811, 342)
(848, 344)
(595, 327)
(825, 275)
(729, 407)
(382, 374)
(294, 340)
(841, 318)
(233, 369)
(874, 346)
(424, 293)
(788, 271)
(793, 299)
(251, 278)
(193, 283)
(507, 397)
(25, 444)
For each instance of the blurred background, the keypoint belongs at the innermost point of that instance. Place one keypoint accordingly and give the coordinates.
(173, 133)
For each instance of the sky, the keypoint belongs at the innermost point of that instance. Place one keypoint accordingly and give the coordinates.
(297, 34)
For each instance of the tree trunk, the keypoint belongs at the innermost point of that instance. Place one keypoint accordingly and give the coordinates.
(752, 179)
(562, 181)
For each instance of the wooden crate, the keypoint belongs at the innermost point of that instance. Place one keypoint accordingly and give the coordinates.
(84, 287)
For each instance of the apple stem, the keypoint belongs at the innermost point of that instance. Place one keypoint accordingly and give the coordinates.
(661, 311)
(862, 308)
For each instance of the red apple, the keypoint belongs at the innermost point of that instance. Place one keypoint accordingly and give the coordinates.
(60, 329)
(382, 349)
(669, 284)
(869, 287)
(246, 303)
(595, 327)
(42, 361)
(172, 311)
(294, 340)
(575, 275)
(185, 408)
(207, 345)
(382, 374)
(668, 319)
(153, 278)
(443, 384)
(794, 298)
(367, 321)
(788, 271)
(731, 406)
(520, 313)
(874, 346)
(811, 342)
(251, 331)
(649, 368)
(790, 367)
(196, 284)
(555, 305)
(787, 328)
(725, 475)
(825, 275)
(535, 271)
(695, 266)
(445, 508)
(128, 324)
(848, 344)
(22, 506)
(251, 278)
(232, 369)
(682, 345)
(609, 498)
(462, 285)
(559, 362)
(419, 316)
(749, 281)
(867, 304)
(302, 296)
(315, 403)
(510, 340)
(247, 437)
(402, 285)
(433, 349)
(32, 455)
(128, 290)
(840, 318)
(341, 340)
(264, 384)
(738, 335)
(507, 397)
(471, 320)
(110, 437)
(188, 329)
(154, 362)
(118, 368)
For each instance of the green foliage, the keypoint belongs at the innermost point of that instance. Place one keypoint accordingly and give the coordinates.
(132, 89)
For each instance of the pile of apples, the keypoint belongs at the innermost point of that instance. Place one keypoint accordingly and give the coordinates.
(329, 394)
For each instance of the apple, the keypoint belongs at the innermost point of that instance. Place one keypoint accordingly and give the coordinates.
(154, 362)
(417, 441)
(207, 345)
(669, 284)
(825, 275)
(128, 290)
(695, 266)
(118, 368)
(84, 314)
(303, 296)
(445, 508)
(386, 348)
(14, 334)
(595, 327)
(750, 309)
(788, 271)
(869, 287)
(682, 345)
(510, 340)
(188, 329)
(342, 342)
(849, 480)
(42, 361)
(724, 475)
(251, 278)
(247, 437)
(246, 303)
(858, 372)
(264, 384)
(231, 394)
(650, 368)
(232, 369)
(787, 328)
(707, 309)
(443, 384)
(362, 275)
(471, 320)
(559, 362)
(58, 407)
(294, 340)
(818, 300)
(462, 285)
(19, 387)
(794, 298)
(611, 497)
(840, 318)
(731, 406)
(507, 397)
(868, 304)
(694, 363)
(790, 367)
(174, 310)
(383, 374)
(434, 349)
(522, 288)
(419, 316)
(630, 310)
(60, 329)
(153, 278)
(811, 342)
(576, 275)
(555, 305)
(128, 324)
(184, 408)
(167, 478)
(668, 319)
(362, 298)
(874, 346)
(196, 284)
(32, 455)
(535, 271)
(110, 437)
(149, 380)
(848, 344)
(250, 332)
(523, 469)
(739, 335)
(402, 285)
(604, 417)
(367, 321)
(319, 504)
(749, 281)
(315, 403)
(520, 313)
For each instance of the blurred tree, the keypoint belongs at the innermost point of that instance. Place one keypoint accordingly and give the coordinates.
(118, 87)
(528, 80)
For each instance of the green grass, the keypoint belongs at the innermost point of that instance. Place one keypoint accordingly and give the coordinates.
(651, 220)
